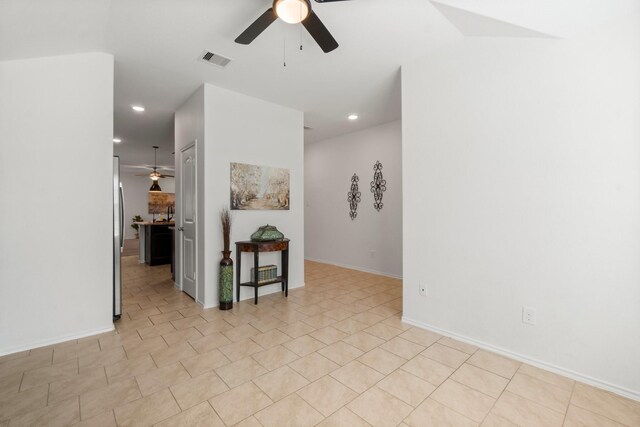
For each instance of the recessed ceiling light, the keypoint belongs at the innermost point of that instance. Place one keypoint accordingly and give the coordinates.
(353, 117)
(117, 140)
(138, 108)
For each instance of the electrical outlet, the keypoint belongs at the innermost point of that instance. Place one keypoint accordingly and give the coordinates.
(373, 253)
(529, 315)
(422, 288)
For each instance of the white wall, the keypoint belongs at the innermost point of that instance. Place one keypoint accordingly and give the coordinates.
(239, 128)
(522, 188)
(330, 234)
(56, 125)
(136, 190)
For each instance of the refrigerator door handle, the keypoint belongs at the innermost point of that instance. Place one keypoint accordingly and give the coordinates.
(121, 218)
(118, 218)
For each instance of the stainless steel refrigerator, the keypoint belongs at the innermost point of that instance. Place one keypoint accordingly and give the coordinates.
(118, 238)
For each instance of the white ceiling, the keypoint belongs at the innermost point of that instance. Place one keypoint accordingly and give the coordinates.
(156, 44)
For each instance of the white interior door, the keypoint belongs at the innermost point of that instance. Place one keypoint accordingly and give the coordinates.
(187, 227)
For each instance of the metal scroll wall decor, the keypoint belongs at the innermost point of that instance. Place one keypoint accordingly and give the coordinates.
(378, 186)
(353, 197)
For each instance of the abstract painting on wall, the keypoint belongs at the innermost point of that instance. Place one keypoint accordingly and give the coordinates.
(160, 202)
(259, 187)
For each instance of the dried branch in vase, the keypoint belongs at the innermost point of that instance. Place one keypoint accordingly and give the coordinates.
(225, 220)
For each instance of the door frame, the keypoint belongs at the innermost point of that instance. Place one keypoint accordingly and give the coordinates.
(179, 235)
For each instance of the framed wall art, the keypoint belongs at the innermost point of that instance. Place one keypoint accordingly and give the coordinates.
(159, 202)
(259, 187)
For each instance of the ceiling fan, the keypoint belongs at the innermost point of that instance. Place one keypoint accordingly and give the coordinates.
(292, 12)
(155, 175)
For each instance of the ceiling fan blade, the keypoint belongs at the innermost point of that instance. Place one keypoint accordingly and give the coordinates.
(258, 26)
(137, 167)
(167, 176)
(319, 32)
(328, 1)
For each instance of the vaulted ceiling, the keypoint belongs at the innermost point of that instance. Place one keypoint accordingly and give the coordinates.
(157, 43)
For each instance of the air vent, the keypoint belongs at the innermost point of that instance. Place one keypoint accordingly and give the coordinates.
(214, 59)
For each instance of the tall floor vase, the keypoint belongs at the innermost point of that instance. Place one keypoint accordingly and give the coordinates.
(225, 284)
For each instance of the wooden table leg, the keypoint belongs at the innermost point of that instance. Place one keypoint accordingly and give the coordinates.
(285, 270)
(256, 263)
(238, 267)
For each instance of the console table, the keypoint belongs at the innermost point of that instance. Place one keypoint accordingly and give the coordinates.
(281, 246)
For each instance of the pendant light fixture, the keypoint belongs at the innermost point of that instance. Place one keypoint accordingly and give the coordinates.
(155, 176)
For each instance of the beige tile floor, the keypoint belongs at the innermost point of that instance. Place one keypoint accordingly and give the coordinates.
(335, 353)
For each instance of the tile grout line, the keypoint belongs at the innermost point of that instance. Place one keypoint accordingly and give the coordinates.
(564, 419)
(498, 398)
(21, 381)
(79, 415)
(597, 413)
(546, 382)
(48, 394)
(216, 412)
(538, 403)
(177, 403)
(438, 386)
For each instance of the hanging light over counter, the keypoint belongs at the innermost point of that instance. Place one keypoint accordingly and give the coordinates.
(155, 175)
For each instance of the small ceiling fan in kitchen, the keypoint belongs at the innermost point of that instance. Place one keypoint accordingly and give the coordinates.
(292, 12)
(155, 175)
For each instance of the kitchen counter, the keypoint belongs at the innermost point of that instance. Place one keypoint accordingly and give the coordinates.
(156, 240)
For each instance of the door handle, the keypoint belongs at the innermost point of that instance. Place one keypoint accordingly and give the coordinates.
(180, 228)
(121, 218)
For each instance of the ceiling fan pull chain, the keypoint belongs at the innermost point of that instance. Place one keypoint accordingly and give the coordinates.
(301, 26)
(284, 50)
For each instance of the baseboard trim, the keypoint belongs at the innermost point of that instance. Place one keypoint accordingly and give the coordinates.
(302, 285)
(57, 340)
(622, 391)
(353, 267)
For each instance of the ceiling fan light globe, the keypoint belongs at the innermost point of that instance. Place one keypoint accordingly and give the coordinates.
(292, 11)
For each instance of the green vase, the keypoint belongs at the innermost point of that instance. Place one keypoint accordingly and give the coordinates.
(226, 281)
